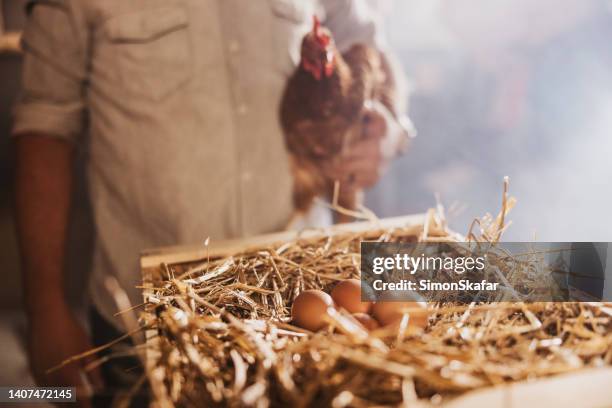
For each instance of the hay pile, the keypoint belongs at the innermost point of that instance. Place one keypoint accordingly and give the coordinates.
(222, 332)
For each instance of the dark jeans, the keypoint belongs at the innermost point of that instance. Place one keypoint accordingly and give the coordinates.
(120, 373)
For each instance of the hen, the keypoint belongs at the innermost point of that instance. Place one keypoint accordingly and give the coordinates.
(328, 102)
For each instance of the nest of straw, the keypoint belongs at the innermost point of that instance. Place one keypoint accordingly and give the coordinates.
(221, 332)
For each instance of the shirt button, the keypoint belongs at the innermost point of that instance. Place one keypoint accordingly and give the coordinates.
(246, 176)
(234, 46)
(242, 109)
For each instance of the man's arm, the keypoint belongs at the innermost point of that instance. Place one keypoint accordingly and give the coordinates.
(47, 123)
(42, 200)
(43, 182)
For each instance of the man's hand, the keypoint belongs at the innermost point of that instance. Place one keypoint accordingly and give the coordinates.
(53, 337)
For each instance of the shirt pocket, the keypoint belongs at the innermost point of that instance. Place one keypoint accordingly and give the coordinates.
(147, 52)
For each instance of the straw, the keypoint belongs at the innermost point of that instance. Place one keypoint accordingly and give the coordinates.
(225, 336)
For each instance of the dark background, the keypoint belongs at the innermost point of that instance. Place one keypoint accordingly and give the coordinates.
(9, 77)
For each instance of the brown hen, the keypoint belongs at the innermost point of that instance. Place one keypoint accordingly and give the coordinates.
(326, 106)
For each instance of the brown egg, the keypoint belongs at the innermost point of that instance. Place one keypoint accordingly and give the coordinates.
(309, 309)
(366, 321)
(391, 312)
(347, 294)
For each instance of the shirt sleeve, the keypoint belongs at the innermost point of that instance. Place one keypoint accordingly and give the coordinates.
(353, 21)
(52, 98)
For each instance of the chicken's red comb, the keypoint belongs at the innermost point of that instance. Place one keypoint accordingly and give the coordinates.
(322, 38)
(316, 24)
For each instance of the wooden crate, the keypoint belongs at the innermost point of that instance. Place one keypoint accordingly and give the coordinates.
(588, 388)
